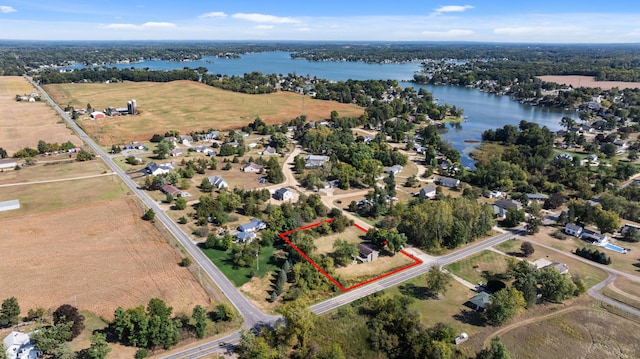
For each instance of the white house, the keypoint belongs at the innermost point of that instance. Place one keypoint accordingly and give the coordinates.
(156, 169)
(245, 237)
(283, 194)
(395, 169)
(573, 230)
(251, 167)
(269, 151)
(218, 182)
(175, 152)
(18, 346)
(427, 192)
(186, 140)
(253, 226)
(315, 161)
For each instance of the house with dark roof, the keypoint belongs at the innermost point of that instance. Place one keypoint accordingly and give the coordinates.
(448, 182)
(253, 226)
(507, 204)
(427, 192)
(537, 197)
(283, 194)
(594, 237)
(169, 189)
(367, 254)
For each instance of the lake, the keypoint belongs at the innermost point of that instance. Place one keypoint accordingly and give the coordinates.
(483, 110)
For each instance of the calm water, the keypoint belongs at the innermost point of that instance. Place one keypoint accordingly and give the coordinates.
(484, 111)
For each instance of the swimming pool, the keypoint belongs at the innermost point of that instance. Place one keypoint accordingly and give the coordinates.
(615, 248)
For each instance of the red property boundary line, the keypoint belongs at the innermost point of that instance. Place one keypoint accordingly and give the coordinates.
(416, 261)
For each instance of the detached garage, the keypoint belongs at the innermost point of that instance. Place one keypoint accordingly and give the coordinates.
(8, 163)
(97, 114)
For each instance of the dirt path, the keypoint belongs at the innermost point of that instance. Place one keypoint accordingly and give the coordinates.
(509, 327)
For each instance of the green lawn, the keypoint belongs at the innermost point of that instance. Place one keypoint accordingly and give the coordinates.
(240, 275)
(472, 268)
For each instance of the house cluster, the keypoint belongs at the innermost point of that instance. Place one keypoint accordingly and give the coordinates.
(135, 145)
(111, 111)
(247, 232)
(17, 345)
(33, 97)
(599, 239)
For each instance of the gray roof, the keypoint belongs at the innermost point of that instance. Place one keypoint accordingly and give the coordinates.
(572, 227)
(481, 300)
(8, 205)
(446, 181)
(508, 204)
(537, 196)
(364, 249)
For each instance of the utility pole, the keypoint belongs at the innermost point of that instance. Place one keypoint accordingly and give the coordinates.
(257, 262)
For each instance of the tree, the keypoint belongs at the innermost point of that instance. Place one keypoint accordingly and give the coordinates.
(200, 317)
(10, 312)
(496, 351)
(168, 198)
(554, 286)
(99, 349)
(3, 153)
(162, 330)
(513, 218)
(67, 313)
(163, 149)
(280, 282)
(180, 203)
(527, 249)
(83, 156)
(632, 235)
(48, 339)
(344, 252)
(42, 146)
(299, 322)
(149, 215)
(533, 225)
(505, 304)
(437, 281)
(274, 171)
(607, 221)
(206, 186)
(224, 312)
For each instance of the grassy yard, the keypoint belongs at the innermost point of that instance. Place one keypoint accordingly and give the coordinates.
(472, 268)
(240, 275)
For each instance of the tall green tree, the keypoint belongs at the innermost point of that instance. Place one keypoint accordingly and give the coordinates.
(274, 171)
(344, 252)
(99, 348)
(554, 286)
(299, 322)
(496, 351)
(200, 317)
(10, 312)
(505, 304)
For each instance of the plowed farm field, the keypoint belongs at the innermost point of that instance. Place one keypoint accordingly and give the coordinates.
(23, 124)
(97, 256)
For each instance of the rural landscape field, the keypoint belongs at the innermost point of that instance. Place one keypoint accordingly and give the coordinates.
(25, 123)
(185, 106)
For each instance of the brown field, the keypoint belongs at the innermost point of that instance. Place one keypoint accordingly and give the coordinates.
(59, 169)
(581, 333)
(588, 81)
(97, 256)
(24, 124)
(185, 106)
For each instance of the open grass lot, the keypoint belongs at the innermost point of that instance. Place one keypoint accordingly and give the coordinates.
(100, 254)
(23, 123)
(472, 268)
(351, 234)
(44, 197)
(589, 274)
(45, 170)
(185, 106)
(240, 275)
(584, 333)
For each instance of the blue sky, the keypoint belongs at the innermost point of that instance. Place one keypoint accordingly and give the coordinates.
(540, 21)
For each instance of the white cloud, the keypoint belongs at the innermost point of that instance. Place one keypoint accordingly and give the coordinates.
(6, 9)
(453, 8)
(146, 25)
(514, 30)
(270, 19)
(264, 27)
(303, 29)
(453, 33)
(213, 14)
